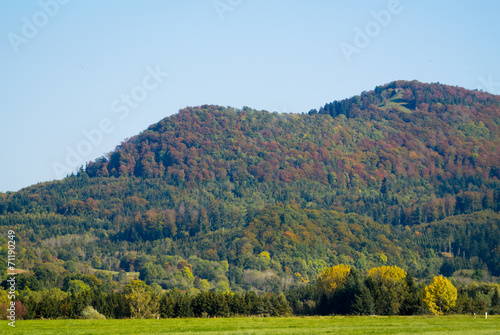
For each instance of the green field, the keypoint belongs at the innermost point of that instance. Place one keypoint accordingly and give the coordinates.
(293, 325)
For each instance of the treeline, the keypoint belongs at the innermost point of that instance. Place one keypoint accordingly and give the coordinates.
(386, 290)
(139, 300)
(339, 290)
(413, 93)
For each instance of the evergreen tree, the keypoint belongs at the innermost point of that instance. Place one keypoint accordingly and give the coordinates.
(412, 302)
(362, 303)
(495, 302)
(166, 305)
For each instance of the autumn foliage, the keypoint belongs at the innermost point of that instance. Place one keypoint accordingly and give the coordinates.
(385, 273)
(440, 296)
(333, 278)
(406, 174)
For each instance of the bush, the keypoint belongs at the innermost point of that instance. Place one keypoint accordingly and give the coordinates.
(91, 314)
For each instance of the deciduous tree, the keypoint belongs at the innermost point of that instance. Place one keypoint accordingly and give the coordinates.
(440, 296)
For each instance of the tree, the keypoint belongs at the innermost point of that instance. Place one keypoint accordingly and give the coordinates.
(223, 286)
(412, 303)
(203, 285)
(151, 272)
(166, 305)
(77, 286)
(332, 278)
(416, 216)
(71, 266)
(440, 296)
(495, 302)
(186, 273)
(387, 273)
(96, 262)
(356, 298)
(46, 274)
(141, 300)
(156, 289)
(4, 303)
(388, 287)
(495, 299)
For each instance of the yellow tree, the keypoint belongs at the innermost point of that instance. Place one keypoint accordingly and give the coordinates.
(387, 273)
(333, 278)
(440, 296)
(186, 273)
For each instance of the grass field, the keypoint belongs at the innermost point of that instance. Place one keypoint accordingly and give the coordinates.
(396, 102)
(293, 325)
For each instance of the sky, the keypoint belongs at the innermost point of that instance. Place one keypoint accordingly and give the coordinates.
(79, 77)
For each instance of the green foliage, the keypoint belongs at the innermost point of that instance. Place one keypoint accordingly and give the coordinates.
(141, 300)
(389, 289)
(186, 273)
(203, 285)
(151, 272)
(356, 296)
(96, 262)
(223, 286)
(77, 286)
(71, 266)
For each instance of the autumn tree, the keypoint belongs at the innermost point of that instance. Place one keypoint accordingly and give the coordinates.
(387, 273)
(440, 296)
(333, 278)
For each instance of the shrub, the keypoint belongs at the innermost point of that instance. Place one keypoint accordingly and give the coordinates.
(90, 313)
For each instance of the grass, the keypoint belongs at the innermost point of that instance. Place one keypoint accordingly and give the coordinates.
(456, 325)
(396, 102)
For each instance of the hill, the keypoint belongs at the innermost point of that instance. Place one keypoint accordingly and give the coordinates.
(405, 174)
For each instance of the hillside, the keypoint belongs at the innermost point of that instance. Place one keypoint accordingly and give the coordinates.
(405, 174)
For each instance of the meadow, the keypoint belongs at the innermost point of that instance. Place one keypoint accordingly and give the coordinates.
(287, 325)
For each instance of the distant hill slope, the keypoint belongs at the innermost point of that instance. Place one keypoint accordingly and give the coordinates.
(405, 145)
(356, 181)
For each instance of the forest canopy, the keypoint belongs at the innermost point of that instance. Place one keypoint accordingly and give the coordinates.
(234, 199)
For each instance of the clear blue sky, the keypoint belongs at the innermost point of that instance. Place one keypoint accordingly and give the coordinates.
(67, 68)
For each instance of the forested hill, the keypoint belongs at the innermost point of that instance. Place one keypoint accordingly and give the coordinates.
(406, 174)
(385, 154)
